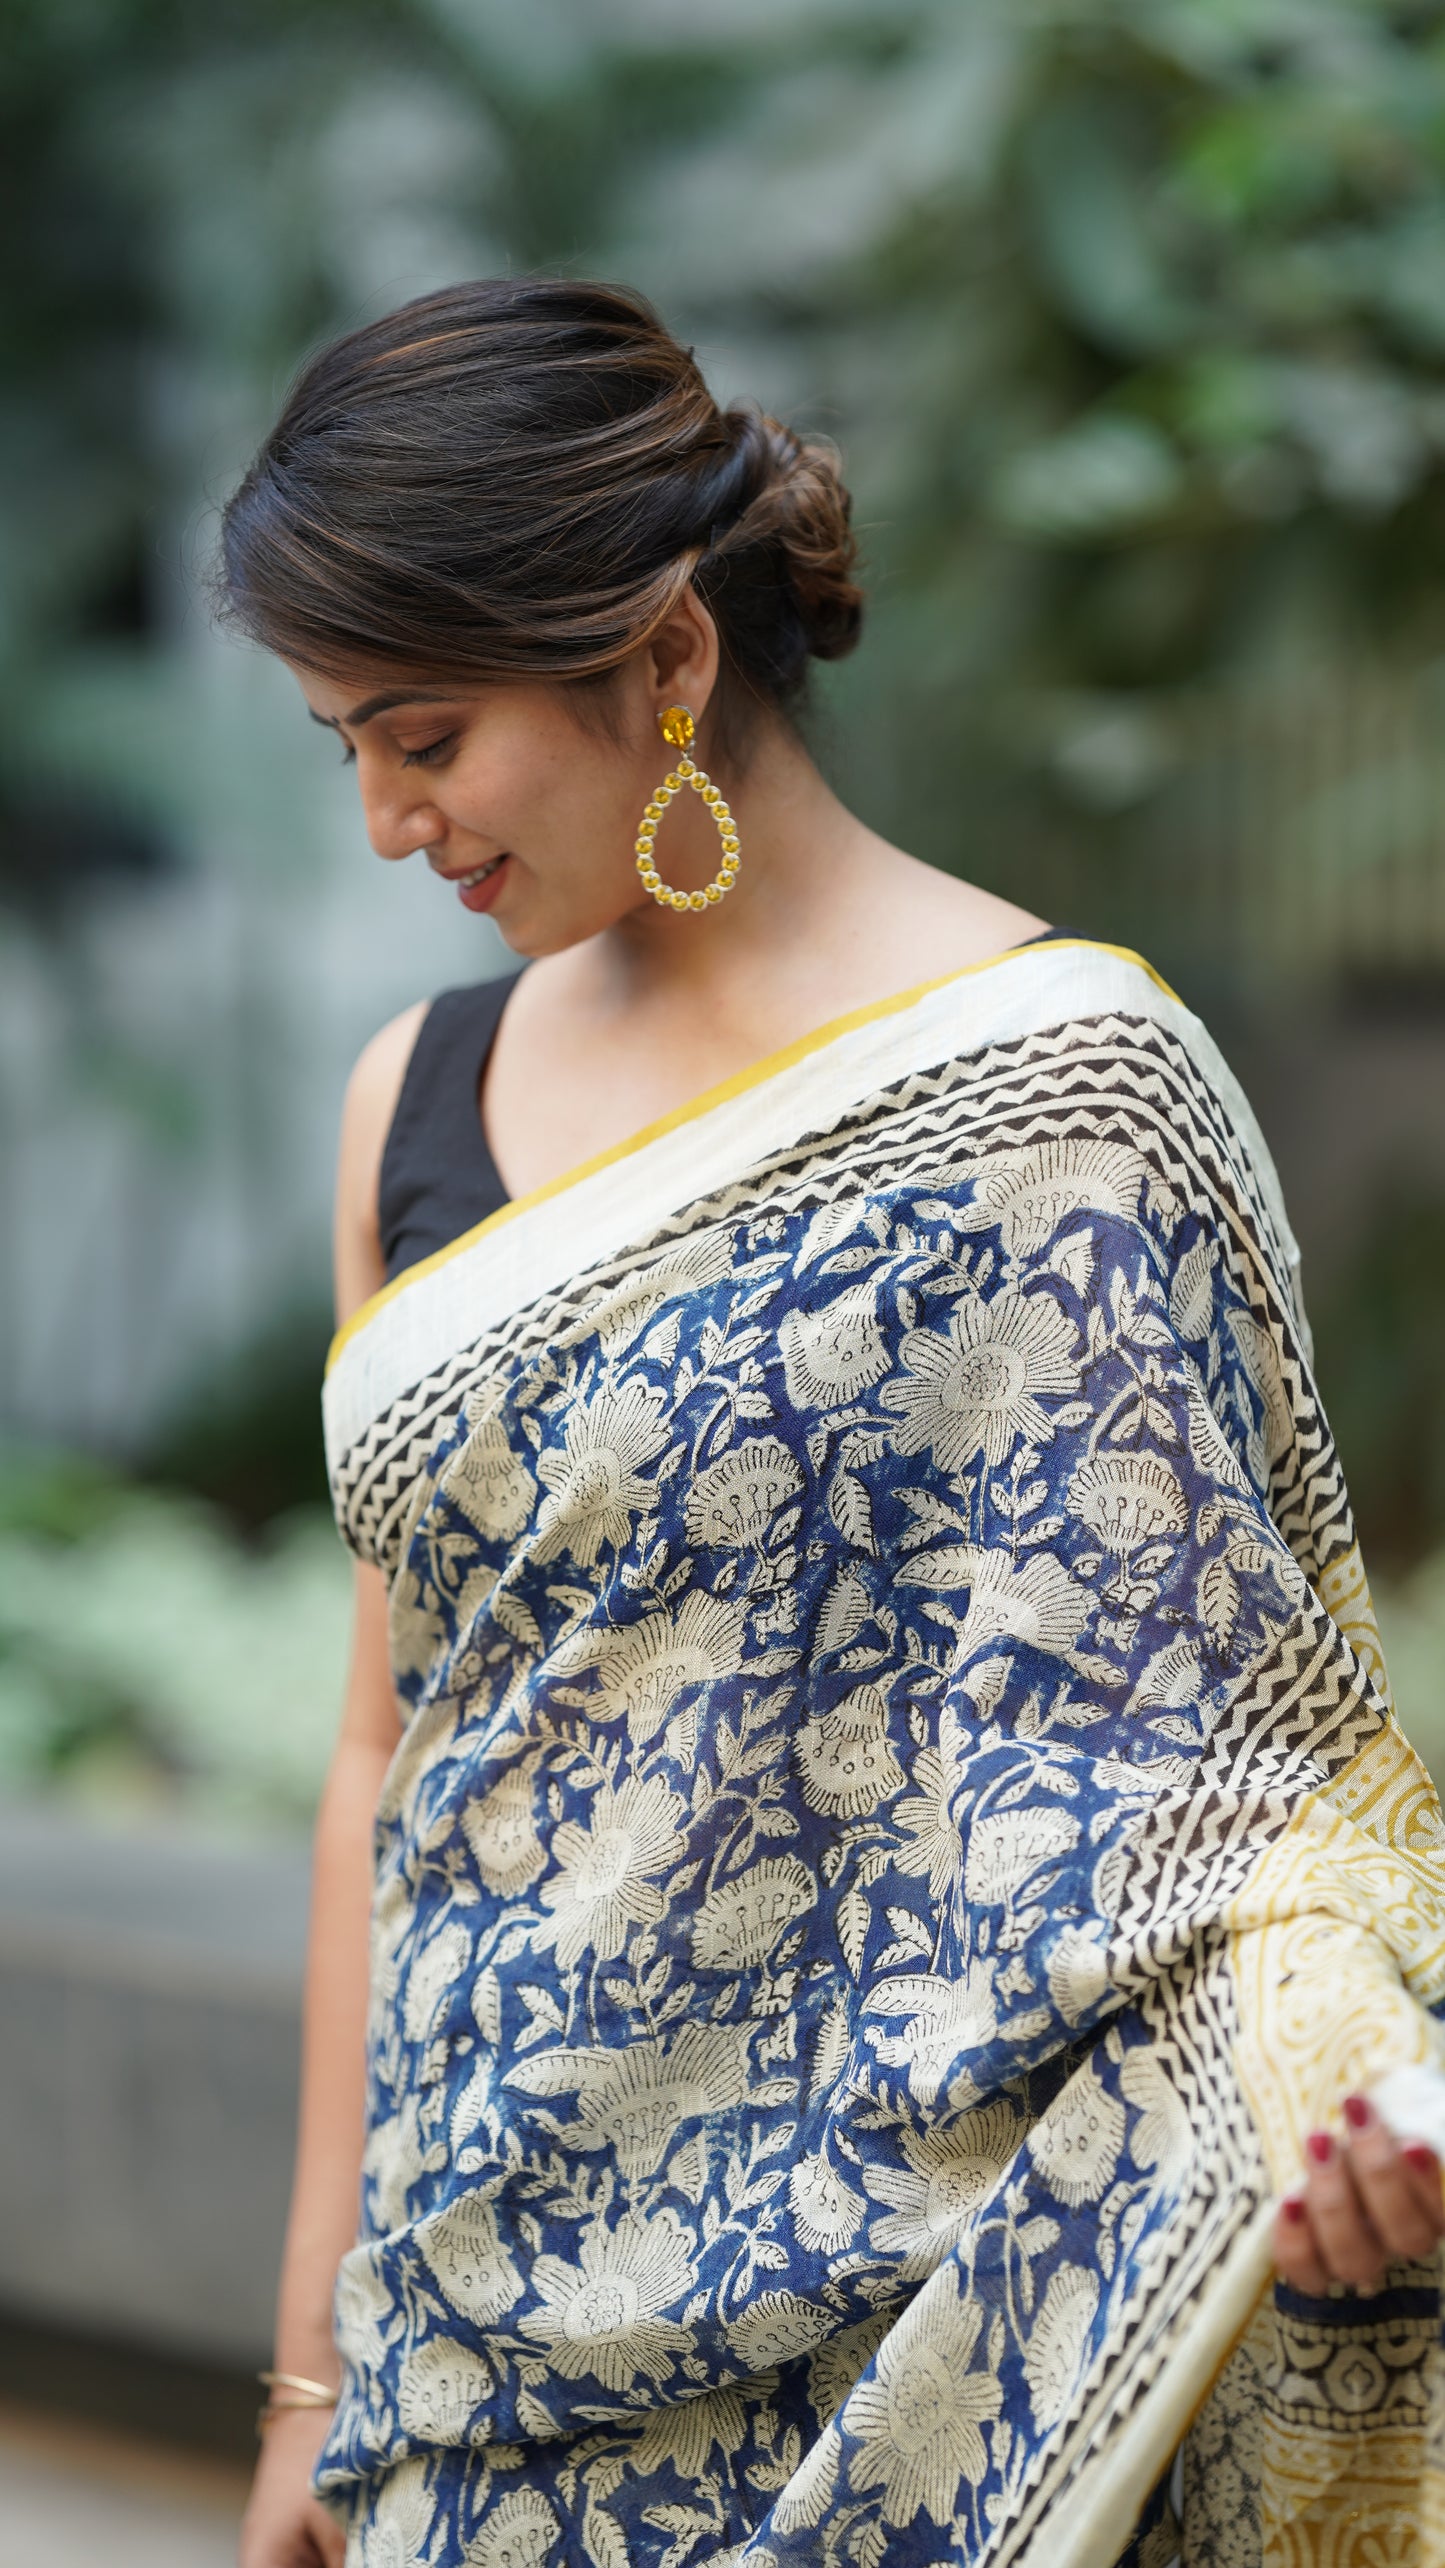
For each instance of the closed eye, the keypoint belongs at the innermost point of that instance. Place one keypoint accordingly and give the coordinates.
(429, 756)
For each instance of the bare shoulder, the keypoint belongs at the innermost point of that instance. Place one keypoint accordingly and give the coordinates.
(371, 1094)
(974, 923)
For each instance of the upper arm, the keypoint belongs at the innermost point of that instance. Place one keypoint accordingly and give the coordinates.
(370, 1717)
(371, 1095)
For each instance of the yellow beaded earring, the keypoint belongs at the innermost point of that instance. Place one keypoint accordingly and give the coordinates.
(678, 730)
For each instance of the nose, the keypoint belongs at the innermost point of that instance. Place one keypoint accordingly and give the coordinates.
(398, 821)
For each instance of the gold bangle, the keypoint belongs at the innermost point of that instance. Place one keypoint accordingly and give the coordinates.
(320, 2391)
(279, 2407)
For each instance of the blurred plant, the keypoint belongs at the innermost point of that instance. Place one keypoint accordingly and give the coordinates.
(1412, 1627)
(248, 1437)
(1130, 314)
(1380, 1357)
(148, 1658)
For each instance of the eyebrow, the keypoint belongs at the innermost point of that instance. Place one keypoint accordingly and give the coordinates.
(375, 704)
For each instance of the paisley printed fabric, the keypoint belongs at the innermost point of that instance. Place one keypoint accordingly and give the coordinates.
(898, 1834)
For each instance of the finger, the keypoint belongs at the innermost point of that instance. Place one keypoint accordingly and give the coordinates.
(1425, 2176)
(1389, 2190)
(1352, 2249)
(1296, 2253)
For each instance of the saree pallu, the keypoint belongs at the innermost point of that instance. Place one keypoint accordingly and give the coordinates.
(898, 1835)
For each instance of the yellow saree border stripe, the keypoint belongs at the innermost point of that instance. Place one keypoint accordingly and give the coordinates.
(757, 1072)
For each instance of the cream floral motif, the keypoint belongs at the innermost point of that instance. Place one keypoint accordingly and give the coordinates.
(685, 2435)
(947, 2176)
(936, 1848)
(619, 1315)
(436, 1968)
(518, 2533)
(1260, 1356)
(1191, 1295)
(596, 1485)
(1162, 2138)
(946, 2020)
(846, 1759)
(736, 1498)
(836, 1354)
(601, 2316)
(777, 2327)
(738, 1926)
(1032, 1600)
(976, 1390)
(501, 1832)
(398, 2529)
(918, 2417)
(635, 2100)
(1078, 1972)
(831, 2047)
(1075, 2145)
(842, 2360)
(645, 1666)
(391, 2160)
(1006, 1847)
(365, 2320)
(1173, 1678)
(486, 1477)
(1058, 2340)
(827, 2213)
(1028, 1194)
(444, 2393)
(463, 2247)
(606, 1880)
(1128, 1498)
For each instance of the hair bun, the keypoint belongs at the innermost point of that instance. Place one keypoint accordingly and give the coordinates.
(793, 503)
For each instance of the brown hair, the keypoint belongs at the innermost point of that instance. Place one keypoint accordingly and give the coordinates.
(519, 477)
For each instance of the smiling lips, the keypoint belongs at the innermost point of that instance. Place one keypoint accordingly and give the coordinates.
(475, 890)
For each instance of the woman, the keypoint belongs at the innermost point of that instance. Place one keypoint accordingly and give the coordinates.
(893, 1880)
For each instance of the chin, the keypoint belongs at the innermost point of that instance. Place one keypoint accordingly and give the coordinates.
(534, 938)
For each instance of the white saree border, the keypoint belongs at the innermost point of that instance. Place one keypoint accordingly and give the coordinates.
(601, 1208)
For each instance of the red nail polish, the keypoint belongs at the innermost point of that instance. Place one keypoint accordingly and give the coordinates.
(1293, 2207)
(1423, 2160)
(1321, 2147)
(1357, 2112)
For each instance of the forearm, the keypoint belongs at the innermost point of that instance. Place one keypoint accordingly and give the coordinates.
(325, 2189)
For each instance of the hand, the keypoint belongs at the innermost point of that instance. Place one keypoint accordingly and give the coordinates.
(284, 2527)
(1367, 2200)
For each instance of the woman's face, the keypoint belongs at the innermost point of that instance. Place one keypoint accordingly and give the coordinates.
(529, 815)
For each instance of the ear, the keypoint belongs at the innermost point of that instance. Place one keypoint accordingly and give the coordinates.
(682, 657)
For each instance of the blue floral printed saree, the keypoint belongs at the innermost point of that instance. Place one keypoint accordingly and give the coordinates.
(899, 1833)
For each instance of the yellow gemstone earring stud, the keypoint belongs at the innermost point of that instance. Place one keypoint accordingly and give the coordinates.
(678, 730)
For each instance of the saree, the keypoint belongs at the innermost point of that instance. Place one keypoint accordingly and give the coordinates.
(898, 1834)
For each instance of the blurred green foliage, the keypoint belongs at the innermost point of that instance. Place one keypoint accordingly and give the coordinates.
(1130, 314)
(1380, 1350)
(151, 1661)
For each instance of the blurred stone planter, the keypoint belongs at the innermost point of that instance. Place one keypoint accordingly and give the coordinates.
(150, 1990)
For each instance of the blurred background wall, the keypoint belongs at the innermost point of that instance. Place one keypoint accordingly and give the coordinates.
(1129, 317)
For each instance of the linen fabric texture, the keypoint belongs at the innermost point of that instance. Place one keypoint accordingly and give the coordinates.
(899, 1833)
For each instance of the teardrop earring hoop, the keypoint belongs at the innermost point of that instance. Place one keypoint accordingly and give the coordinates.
(678, 730)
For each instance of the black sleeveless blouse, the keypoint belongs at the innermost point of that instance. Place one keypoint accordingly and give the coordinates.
(438, 1176)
